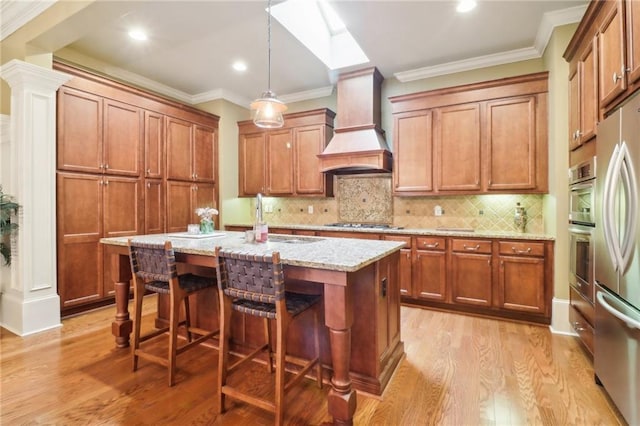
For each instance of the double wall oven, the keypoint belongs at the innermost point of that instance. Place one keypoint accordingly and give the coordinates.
(582, 204)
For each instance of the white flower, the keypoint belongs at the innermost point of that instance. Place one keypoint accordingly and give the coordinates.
(206, 212)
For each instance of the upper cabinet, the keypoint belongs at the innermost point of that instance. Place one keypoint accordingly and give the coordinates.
(284, 162)
(98, 135)
(583, 95)
(191, 153)
(611, 47)
(480, 138)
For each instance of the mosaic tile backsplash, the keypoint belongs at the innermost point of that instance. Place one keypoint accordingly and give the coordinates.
(368, 199)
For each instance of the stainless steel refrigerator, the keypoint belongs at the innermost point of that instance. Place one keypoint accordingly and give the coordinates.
(617, 259)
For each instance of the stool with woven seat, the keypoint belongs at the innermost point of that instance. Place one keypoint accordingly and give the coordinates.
(153, 267)
(255, 285)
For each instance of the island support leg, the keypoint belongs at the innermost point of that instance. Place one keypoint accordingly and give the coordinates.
(122, 324)
(339, 319)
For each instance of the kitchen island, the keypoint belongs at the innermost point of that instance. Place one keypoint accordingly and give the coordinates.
(358, 280)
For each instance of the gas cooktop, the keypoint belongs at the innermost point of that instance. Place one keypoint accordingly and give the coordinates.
(364, 225)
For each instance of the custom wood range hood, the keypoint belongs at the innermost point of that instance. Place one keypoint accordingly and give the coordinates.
(358, 144)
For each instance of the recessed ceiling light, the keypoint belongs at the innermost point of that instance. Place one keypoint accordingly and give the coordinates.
(239, 66)
(466, 5)
(138, 34)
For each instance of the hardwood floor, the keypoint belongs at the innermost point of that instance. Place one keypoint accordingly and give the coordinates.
(458, 370)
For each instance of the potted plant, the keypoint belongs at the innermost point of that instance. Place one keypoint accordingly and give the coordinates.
(8, 208)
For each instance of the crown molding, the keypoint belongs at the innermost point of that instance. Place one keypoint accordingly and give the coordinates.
(149, 84)
(549, 21)
(14, 14)
(320, 92)
(216, 94)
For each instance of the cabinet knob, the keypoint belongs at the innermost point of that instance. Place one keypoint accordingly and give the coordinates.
(148, 185)
(106, 182)
(106, 166)
(288, 144)
(102, 166)
(148, 171)
(195, 176)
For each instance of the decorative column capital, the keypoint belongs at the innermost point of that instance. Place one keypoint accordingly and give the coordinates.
(21, 75)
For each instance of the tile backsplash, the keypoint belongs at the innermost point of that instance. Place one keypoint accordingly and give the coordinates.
(368, 199)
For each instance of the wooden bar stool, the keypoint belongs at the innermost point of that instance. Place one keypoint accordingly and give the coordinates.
(153, 267)
(255, 285)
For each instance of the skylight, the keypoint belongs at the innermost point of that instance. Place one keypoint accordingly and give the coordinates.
(316, 25)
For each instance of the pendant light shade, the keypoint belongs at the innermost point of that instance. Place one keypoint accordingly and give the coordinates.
(268, 109)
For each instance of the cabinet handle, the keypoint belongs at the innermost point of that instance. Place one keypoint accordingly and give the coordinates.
(148, 185)
(616, 77)
(408, 255)
(527, 251)
(106, 166)
(477, 246)
(195, 176)
(106, 182)
(195, 187)
(434, 245)
(288, 144)
(102, 166)
(148, 171)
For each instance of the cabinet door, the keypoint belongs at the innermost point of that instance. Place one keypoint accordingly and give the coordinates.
(510, 131)
(122, 138)
(611, 52)
(406, 263)
(252, 151)
(204, 195)
(205, 156)
(154, 206)
(79, 217)
(280, 162)
(588, 92)
(79, 131)
(430, 275)
(521, 284)
(412, 152)
(574, 108)
(633, 40)
(179, 211)
(123, 214)
(179, 149)
(471, 279)
(309, 142)
(153, 145)
(457, 147)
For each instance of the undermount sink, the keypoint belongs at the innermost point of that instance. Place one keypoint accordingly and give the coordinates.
(293, 239)
(451, 229)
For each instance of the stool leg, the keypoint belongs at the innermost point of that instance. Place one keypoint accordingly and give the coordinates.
(317, 346)
(138, 292)
(267, 334)
(281, 350)
(187, 317)
(223, 355)
(173, 337)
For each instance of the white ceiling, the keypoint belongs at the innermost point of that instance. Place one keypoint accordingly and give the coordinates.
(192, 44)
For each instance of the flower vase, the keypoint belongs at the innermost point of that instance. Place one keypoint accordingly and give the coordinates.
(206, 226)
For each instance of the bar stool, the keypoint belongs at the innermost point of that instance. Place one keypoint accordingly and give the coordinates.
(153, 267)
(255, 285)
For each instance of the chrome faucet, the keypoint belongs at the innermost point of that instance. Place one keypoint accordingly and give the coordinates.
(259, 207)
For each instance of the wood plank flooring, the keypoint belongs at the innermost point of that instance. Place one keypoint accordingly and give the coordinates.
(458, 370)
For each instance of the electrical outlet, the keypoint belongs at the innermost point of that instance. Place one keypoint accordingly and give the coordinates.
(438, 211)
(310, 209)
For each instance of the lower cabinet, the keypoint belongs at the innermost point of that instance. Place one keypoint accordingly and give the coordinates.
(521, 277)
(471, 275)
(429, 273)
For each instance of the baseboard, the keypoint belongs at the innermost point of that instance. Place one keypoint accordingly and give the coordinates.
(560, 317)
(25, 317)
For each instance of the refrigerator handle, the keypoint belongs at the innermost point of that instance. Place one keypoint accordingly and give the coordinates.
(631, 218)
(608, 208)
(631, 323)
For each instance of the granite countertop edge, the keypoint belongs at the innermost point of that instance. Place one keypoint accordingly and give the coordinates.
(511, 235)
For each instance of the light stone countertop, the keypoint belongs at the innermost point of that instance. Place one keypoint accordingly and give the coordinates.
(337, 254)
(447, 232)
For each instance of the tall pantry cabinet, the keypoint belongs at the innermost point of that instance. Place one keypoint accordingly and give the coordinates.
(119, 157)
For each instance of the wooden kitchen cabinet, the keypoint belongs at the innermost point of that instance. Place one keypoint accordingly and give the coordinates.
(633, 41)
(611, 52)
(284, 162)
(413, 152)
(429, 274)
(183, 198)
(458, 147)
(191, 151)
(112, 174)
(406, 259)
(471, 272)
(92, 207)
(521, 285)
(583, 96)
(488, 137)
(98, 135)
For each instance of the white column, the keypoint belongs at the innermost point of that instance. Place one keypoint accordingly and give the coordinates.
(29, 301)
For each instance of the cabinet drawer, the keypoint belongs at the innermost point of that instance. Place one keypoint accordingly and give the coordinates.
(522, 248)
(473, 246)
(582, 327)
(405, 239)
(430, 243)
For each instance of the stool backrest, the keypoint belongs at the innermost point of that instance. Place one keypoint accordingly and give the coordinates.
(250, 277)
(153, 262)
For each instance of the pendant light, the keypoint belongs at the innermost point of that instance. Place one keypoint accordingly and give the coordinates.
(268, 108)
